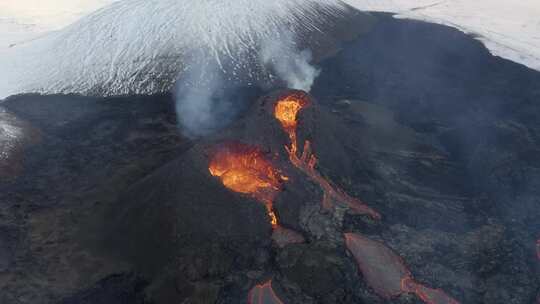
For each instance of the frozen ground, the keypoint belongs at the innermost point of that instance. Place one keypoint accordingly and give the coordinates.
(509, 29)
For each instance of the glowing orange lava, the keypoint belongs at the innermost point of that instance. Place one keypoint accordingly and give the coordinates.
(263, 294)
(244, 169)
(287, 109)
(286, 112)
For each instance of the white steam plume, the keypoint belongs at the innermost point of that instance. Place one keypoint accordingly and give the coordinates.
(289, 63)
(207, 99)
(202, 104)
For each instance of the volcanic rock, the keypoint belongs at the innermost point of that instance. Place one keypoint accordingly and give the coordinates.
(164, 224)
(283, 237)
(323, 274)
(15, 135)
(116, 289)
(52, 214)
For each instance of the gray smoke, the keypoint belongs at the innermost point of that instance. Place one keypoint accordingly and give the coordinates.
(208, 98)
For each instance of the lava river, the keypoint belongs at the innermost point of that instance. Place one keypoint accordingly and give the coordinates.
(383, 270)
(245, 169)
(286, 112)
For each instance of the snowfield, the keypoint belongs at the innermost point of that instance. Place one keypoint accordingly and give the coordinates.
(509, 29)
(121, 42)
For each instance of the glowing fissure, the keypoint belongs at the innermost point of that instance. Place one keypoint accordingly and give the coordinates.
(286, 112)
(244, 169)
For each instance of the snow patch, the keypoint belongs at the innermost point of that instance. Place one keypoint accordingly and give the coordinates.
(509, 29)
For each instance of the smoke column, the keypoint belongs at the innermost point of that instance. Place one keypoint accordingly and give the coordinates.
(291, 65)
(209, 95)
(197, 104)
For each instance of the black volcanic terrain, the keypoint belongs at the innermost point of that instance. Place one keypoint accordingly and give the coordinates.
(107, 203)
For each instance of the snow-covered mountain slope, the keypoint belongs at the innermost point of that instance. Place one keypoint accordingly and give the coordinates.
(137, 46)
(141, 46)
(509, 29)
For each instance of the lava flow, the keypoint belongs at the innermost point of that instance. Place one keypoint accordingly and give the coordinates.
(263, 294)
(244, 169)
(386, 273)
(286, 112)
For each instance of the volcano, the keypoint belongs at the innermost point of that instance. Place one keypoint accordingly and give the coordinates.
(408, 174)
(244, 169)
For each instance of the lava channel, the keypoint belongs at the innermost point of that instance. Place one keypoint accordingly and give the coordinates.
(244, 169)
(386, 273)
(286, 112)
(263, 294)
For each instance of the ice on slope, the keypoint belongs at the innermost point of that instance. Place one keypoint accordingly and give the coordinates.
(509, 29)
(139, 46)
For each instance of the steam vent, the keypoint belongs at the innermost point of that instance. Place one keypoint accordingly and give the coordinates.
(385, 161)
